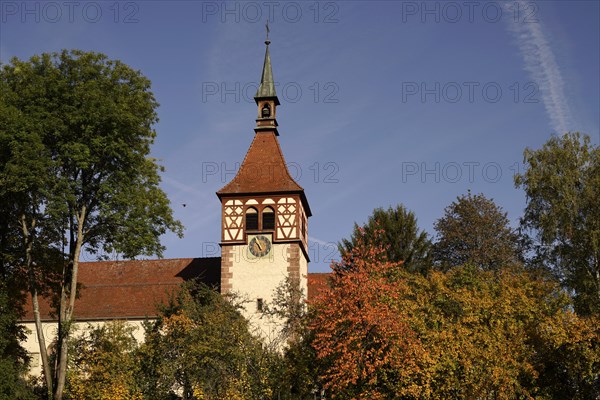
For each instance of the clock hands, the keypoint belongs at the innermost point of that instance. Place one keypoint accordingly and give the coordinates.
(259, 246)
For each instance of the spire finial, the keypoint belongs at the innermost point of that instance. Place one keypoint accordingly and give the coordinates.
(266, 89)
(267, 42)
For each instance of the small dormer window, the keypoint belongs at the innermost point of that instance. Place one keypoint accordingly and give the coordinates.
(266, 111)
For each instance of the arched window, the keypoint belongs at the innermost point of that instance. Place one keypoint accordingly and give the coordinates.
(251, 219)
(268, 218)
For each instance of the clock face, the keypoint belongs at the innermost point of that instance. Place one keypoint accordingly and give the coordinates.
(259, 246)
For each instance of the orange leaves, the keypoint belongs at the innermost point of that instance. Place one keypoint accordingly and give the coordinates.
(360, 332)
(382, 332)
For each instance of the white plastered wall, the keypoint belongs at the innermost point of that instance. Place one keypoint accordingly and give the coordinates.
(257, 278)
(49, 328)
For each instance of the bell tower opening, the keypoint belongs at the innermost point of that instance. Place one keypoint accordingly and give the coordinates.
(266, 111)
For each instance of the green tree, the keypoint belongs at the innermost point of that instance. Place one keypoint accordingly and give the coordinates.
(85, 175)
(402, 239)
(200, 347)
(299, 366)
(289, 306)
(103, 363)
(13, 357)
(562, 216)
(474, 230)
(25, 168)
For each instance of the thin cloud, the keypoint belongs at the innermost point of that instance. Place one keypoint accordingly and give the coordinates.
(541, 64)
(319, 241)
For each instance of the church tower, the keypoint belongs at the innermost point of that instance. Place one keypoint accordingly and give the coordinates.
(264, 236)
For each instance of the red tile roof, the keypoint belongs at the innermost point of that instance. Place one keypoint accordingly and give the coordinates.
(263, 170)
(133, 289)
(316, 283)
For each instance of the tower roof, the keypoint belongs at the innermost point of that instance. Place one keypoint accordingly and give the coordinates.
(266, 90)
(263, 170)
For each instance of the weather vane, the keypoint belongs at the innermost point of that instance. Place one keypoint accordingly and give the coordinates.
(268, 30)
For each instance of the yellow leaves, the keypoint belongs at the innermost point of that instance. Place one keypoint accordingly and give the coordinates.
(199, 393)
(177, 323)
(467, 333)
(102, 366)
(103, 386)
(119, 390)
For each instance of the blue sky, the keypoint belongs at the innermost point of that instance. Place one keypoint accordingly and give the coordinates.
(383, 102)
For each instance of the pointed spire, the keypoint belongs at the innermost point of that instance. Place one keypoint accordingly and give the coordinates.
(266, 90)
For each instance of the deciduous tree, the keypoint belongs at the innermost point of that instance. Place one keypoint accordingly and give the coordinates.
(562, 184)
(79, 132)
(299, 369)
(103, 363)
(288, 306)
(25, 175)
(364, 340)
(201, 347)
(474, 230)
(13, 357)
(468, 333)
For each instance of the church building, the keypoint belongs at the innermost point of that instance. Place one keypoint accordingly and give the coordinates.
(264, 243)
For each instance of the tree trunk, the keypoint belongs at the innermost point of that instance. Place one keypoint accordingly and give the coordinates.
(42, 341)
(67, 306)
(61, 342)
(28, 236)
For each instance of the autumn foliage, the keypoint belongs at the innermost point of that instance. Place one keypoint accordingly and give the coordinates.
(381, 332)
(366, 341)
(103, 365)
